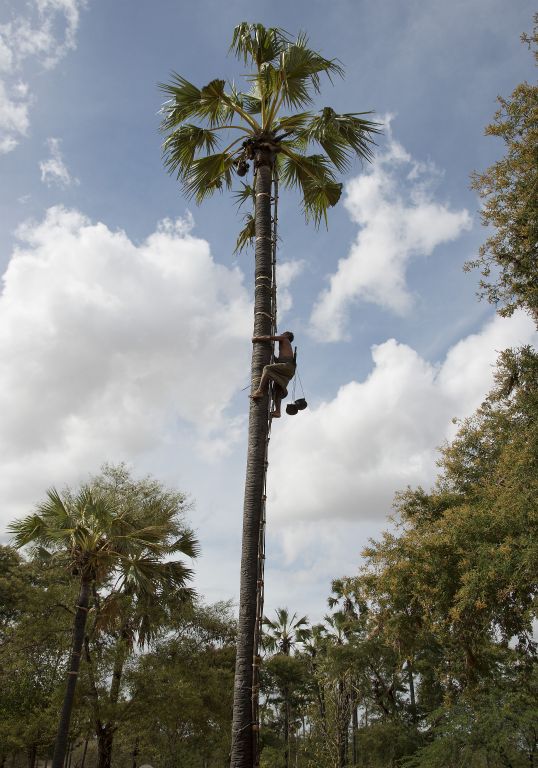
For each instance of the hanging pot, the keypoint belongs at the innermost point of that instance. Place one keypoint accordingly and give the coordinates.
(292, 409)
(301, 403)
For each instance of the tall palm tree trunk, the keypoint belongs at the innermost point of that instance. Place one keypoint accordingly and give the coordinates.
(242, 750)
(60, 745)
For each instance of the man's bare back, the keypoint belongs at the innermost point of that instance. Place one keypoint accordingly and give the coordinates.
(285, 350)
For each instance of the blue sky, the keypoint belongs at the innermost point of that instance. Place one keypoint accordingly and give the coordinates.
(125, 318)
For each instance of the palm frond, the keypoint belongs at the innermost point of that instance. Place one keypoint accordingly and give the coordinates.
(251, 103)
(187, 101)
(313, 176)
(247, 234)
(208, 174)
(183, 104)
(293, 123)
(258, 43)
(244, 194)
(31, 528)
(187, 544)
(175, 574)
(54, 511)
(343, 136)
(149, 536)
(138, 573)
(181, 146)
(299, 72)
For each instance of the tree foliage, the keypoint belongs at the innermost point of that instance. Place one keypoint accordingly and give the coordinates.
(509, 190)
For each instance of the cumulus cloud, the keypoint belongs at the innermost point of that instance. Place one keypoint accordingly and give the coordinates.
(54, 171)
(399, 219)
(344, 459)
(33, 36)
(14, 120)
(287, 272)
(108, 346)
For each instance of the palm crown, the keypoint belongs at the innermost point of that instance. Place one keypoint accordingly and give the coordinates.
(285, 631)
(96, 540)
(310, 148)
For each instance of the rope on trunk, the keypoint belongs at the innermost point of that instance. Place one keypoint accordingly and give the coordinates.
(258, 629)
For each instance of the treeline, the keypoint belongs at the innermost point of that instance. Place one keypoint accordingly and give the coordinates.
(156, 666)
(426, 658)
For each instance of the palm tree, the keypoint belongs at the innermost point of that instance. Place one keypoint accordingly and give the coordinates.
(344, 598)
(282, 636)
(211, 134)
(134, 613)
(94, 540)
(285, 631)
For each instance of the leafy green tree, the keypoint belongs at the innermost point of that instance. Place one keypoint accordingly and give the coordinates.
(181, 693)
(454, 589)
(495, 726)
(35, 633)
(509, 190)
(94, 541)
(211, 134)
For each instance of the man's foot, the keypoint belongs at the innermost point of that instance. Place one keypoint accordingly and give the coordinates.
(275, 414)
(256, 395)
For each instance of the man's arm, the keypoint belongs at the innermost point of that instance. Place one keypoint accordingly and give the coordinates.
(266, 338)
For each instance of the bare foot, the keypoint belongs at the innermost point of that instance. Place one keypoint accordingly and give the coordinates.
(256, 395)
(275, 414)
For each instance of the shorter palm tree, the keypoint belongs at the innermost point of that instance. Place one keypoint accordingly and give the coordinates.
(282, 635)
(95, 540)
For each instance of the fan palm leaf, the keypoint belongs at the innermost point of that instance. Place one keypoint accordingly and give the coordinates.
(256, 43)
(313, 175)
(207, 174)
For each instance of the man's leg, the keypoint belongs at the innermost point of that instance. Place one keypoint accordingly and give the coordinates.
(277, 399)
(262, 387)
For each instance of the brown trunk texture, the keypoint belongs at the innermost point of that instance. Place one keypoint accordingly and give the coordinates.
(60, 746)
(105, 731)
(354, 730)
(105, 739)
(242, 749)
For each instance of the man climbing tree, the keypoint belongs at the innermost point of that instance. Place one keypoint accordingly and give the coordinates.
(264, 127)
(281, 372)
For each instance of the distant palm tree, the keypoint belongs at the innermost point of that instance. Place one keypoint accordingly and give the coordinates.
(344, 598)
(94, 540)
(282, 635)
(211, 134)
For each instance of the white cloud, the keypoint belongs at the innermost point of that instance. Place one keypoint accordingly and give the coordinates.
(108, 347)
(287, 272)
(54, 171)
(399, 219)
(344, 459)
(14, 120)
(32, 36)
